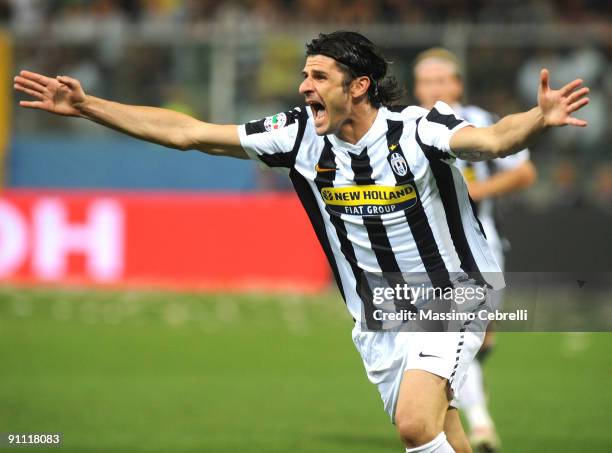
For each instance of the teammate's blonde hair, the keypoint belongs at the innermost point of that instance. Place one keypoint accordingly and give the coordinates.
(440, 54)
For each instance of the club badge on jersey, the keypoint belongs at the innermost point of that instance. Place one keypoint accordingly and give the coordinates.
(398, 164)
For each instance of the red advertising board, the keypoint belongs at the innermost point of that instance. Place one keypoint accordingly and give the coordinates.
(186, 241)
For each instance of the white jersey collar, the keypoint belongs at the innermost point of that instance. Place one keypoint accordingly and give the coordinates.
(368, 138)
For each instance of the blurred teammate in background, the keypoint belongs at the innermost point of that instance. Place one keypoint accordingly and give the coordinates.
(438, 77)
(378, 184)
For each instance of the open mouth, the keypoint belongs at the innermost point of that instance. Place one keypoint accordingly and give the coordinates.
(318, 111)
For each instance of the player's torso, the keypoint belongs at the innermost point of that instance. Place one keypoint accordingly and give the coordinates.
(375, 192)
(383, 175)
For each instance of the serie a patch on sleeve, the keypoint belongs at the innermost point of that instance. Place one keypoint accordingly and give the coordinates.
(369, 199)
(271, 123)
(275, 122)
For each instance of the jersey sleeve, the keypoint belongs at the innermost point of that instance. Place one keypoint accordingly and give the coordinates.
(435, 130)
(274, 140)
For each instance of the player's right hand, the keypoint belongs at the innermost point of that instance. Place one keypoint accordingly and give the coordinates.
(62, 95)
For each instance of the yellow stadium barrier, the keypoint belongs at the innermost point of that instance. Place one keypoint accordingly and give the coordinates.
(5, 99)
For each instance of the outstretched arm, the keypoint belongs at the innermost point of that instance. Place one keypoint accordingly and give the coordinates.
(64, 96)
(514, 132)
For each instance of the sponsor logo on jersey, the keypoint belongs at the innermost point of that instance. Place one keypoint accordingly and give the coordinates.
(369, 199)
(275, 122)
(398, 164)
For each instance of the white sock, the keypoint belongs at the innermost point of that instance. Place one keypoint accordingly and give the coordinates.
(472, 398)
(438, 445)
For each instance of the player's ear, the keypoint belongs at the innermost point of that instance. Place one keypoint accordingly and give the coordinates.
(360, 86)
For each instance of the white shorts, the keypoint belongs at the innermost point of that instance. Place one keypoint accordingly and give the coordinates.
(387, 354)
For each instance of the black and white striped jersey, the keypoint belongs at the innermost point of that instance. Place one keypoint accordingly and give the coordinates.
(481, 171)
(391, 203)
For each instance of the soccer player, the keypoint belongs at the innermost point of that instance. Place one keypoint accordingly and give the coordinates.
(438, 77)
(380, 191)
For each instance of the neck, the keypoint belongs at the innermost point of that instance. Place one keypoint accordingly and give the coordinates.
(358, 124)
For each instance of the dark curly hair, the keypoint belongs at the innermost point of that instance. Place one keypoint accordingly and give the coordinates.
(357, 56)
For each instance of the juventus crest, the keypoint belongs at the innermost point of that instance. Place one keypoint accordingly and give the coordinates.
(398, 164)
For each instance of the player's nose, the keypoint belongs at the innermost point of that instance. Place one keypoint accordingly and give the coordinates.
(305, 86)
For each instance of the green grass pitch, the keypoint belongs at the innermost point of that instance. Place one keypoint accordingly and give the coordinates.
(167, 372)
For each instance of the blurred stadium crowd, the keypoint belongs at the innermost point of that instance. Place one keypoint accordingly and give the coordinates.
(105, 44)
(319, 11)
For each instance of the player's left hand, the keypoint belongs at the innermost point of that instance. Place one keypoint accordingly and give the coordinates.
(557, 106)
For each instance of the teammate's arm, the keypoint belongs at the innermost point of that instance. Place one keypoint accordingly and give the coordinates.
(514, 132)
(64, 96)
(503, 182)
